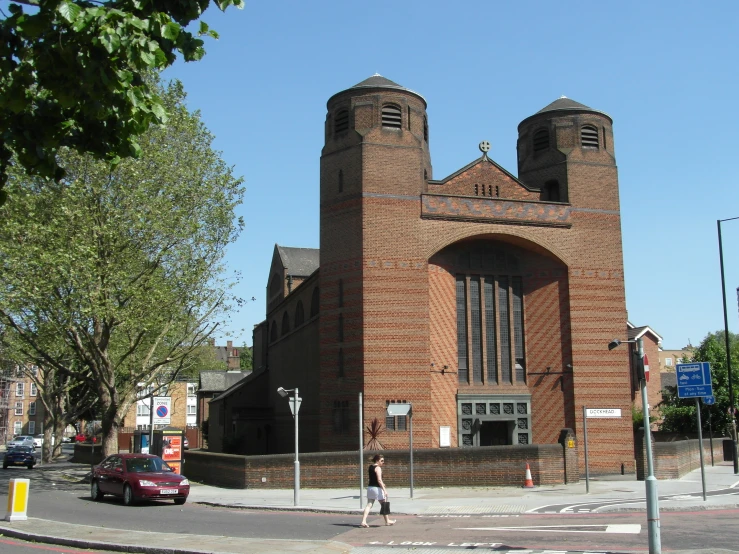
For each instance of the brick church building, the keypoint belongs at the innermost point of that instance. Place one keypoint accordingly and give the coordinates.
(485, 300)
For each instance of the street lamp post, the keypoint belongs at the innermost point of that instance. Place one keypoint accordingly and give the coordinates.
(653, 523)
(294, 407)
(732, 414)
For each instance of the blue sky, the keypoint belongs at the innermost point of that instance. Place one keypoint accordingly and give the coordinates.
(665, 71)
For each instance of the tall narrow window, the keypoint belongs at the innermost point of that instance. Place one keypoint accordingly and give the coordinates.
(541, 140)
(517, 304)
(490, 338)
(461, 329)
(476, 323)
(409, 118)
(589, 136)
(341, 121)
(314, 303)
(285, 324)
(425, 129)
(392, 117)
(299, 314)
(605, 143)
(31, 408)
(505, 333)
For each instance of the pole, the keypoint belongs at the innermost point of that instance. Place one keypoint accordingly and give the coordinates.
(700, 446)
(710, 434)
(296, 498)
(653, 524)
(732, 414)
(410, 419)
(585, 440)
(151, 422)
(361, 454)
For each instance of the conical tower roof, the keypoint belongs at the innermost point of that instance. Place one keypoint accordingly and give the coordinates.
(565, 105)
(379, 82)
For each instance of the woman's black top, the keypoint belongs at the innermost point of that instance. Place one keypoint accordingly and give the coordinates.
(373, 476)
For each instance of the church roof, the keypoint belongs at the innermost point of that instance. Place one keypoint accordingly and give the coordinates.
(299, 262)
(377, 81)
(564, 104)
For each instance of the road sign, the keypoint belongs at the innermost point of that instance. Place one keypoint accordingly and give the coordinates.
(162, 410)
(292, 405)
(709, 400)
(602, 412)
(646, 368)
(694, 380)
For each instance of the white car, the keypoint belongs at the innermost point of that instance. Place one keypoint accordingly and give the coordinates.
(38, 440)
(22, 440)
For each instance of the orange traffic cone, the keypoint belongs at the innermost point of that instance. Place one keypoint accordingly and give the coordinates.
(529, 482)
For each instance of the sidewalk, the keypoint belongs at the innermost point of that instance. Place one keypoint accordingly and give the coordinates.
(620, 494)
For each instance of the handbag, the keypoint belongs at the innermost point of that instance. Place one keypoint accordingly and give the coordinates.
(385, 508)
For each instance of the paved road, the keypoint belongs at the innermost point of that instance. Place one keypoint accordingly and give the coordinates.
(13, 546)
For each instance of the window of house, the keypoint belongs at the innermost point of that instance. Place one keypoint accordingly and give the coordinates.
(396, 423)
(142, 409)
(299, 314)
(314, 302)
(192, 408)
(589, 136)
(19, 389)
(192, 389)
(19, 408)
(34, 389)
(341, 121)
(32, 408)
(34, 370)
(500, 297)
(541, 140)
(392, 116)
(668, 362)
(425, 129)
(285, 324)
(17, 427)
(31, 427)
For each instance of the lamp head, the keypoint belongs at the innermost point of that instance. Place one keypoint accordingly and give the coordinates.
(282, 392)
(613, 344)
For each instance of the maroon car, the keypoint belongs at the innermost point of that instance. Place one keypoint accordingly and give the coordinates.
(138, 477)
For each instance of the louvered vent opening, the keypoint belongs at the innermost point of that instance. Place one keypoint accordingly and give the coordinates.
(391, 117)
(341, 122)
(589, 136)
(541, 140)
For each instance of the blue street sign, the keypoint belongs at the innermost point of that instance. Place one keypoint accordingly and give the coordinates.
(709, 400)
(694, 380)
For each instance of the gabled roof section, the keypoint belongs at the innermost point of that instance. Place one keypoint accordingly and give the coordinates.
(638, 332)
(299, 262)
(217, 381)
(482, 159)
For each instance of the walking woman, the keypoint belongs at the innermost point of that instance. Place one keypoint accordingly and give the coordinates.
(376, 490)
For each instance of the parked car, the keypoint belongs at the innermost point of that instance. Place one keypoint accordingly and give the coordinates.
(38, 440)
(22, 440)
(19, 456)
(137, 477)
(79, 437)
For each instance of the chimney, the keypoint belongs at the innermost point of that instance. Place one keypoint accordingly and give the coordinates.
(229, 344)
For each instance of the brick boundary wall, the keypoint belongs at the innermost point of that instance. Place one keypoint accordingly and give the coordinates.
(434, 467)
(673, 460)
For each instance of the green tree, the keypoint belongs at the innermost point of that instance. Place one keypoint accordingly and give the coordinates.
(72, 73)
(125, 265)
(246, 358)
(679, 414)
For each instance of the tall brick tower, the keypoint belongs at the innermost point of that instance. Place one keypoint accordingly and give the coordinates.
(373, 169)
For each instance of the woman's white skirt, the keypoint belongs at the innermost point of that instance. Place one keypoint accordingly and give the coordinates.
(375, 493)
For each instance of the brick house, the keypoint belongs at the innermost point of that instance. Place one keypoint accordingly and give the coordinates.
(485, 300)
(21, 411)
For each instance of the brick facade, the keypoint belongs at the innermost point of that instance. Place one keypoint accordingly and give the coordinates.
(397, 247)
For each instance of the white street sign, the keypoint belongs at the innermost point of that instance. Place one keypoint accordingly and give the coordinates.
(603, 412)
(162, 410)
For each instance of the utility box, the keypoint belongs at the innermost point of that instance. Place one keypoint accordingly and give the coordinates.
(140, 442)
(168, 444)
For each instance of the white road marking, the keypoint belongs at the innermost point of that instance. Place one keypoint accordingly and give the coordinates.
(627, 528)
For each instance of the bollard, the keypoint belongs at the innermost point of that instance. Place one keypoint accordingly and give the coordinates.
(18, 499)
